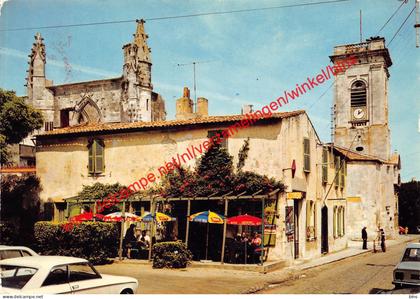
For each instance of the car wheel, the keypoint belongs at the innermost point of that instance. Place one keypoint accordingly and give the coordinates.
(127, 291)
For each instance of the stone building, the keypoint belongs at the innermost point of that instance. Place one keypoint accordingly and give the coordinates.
(333, 190)
(127, 98)
(361, 127)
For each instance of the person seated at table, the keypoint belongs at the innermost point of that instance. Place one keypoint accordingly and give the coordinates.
(144, 240)
(129, 239)
(256, 245)
(244, 237)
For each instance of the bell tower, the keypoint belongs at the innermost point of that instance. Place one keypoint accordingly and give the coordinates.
(360, 108)
(136, 85)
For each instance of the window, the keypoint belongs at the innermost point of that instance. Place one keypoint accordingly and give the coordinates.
(358, 94)
(335, 222)
(48, 125)
(64, 118)
(25, 253)
(310, 221)
(337, 169)
(82, 271)
(96, 157)
(325, 165)
(306, 155)
(224, 143)
(9, 254)
(57, 275)
(15, 277)
(342, 173)
(343, 231)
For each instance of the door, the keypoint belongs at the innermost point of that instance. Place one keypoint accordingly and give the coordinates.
(84, 279)
(324, 229)
(296, 232)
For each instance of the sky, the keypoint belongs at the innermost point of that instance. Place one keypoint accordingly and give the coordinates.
(242, 58)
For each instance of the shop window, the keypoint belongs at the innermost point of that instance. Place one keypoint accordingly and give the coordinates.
(96, 157)
(306, 155)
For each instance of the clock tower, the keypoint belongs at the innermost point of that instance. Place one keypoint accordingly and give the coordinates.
(360, 109)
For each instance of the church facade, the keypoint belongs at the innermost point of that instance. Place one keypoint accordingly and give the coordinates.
(127, 98)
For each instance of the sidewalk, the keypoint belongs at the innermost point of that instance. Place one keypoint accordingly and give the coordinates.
(354, 248)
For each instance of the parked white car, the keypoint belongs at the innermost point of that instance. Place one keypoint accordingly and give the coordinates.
(59, 275)
(8, 252)
(407, 271)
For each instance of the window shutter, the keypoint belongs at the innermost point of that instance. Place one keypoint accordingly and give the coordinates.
(306, 155)
(99, 156)
(337, 174)
(325, 165)
(91, 166)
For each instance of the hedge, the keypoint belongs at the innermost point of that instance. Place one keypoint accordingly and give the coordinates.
(171, 255)
(94, 241)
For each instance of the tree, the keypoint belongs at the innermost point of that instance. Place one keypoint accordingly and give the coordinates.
(17, 120)
(98, 192)
(20, 208)
(409, 205)
(214, 173)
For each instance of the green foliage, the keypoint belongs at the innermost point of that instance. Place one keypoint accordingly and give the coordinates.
(171, 255)
(9, 233)
(214, 174)
(98, 192)
(20, 204)
(243, 155)
(94, 241)
(16, 117)
(409, 205)
(253, 182)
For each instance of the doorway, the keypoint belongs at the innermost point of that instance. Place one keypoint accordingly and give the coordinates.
(324, 229)
(296, 226)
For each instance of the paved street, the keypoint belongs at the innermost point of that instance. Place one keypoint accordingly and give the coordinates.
(367, 273)
(362, 274)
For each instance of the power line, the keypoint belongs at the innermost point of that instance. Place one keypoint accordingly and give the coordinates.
(401, 26)
(177, 17)
(391, 16)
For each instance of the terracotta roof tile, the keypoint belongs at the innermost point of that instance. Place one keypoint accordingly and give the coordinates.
(102, 127)
(351, 155)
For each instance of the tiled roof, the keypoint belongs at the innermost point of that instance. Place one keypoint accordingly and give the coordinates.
(356, 156)
(107, 127)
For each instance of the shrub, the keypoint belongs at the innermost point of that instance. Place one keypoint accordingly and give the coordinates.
(94, 241)
(171, 255)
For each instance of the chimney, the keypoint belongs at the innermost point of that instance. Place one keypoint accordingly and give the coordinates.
(184, 106)
(246, 109)
(202, 107)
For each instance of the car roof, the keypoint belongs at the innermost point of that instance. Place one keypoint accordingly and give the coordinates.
(413, 245)
(14, 247)
(42, 261)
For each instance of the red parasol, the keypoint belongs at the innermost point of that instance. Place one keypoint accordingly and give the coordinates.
(85, 217)
(244, 220)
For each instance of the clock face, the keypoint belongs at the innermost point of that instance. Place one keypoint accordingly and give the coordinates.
(358, 113)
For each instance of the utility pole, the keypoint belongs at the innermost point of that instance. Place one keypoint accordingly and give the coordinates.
(194, 74)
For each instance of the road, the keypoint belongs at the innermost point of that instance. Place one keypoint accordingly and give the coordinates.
(363, 274)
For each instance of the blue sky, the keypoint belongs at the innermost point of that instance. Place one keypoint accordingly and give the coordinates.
(252, 57)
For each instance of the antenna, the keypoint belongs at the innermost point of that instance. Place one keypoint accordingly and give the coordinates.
(417, 25)
(360, 25)
(195, 83)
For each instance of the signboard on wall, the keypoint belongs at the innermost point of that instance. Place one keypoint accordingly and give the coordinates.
(294, 195)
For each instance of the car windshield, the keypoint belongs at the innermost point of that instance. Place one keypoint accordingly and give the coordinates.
(15, 277)
(412, 255)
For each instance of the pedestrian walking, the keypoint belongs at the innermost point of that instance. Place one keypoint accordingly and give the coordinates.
(382, 237)
(364, 237)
